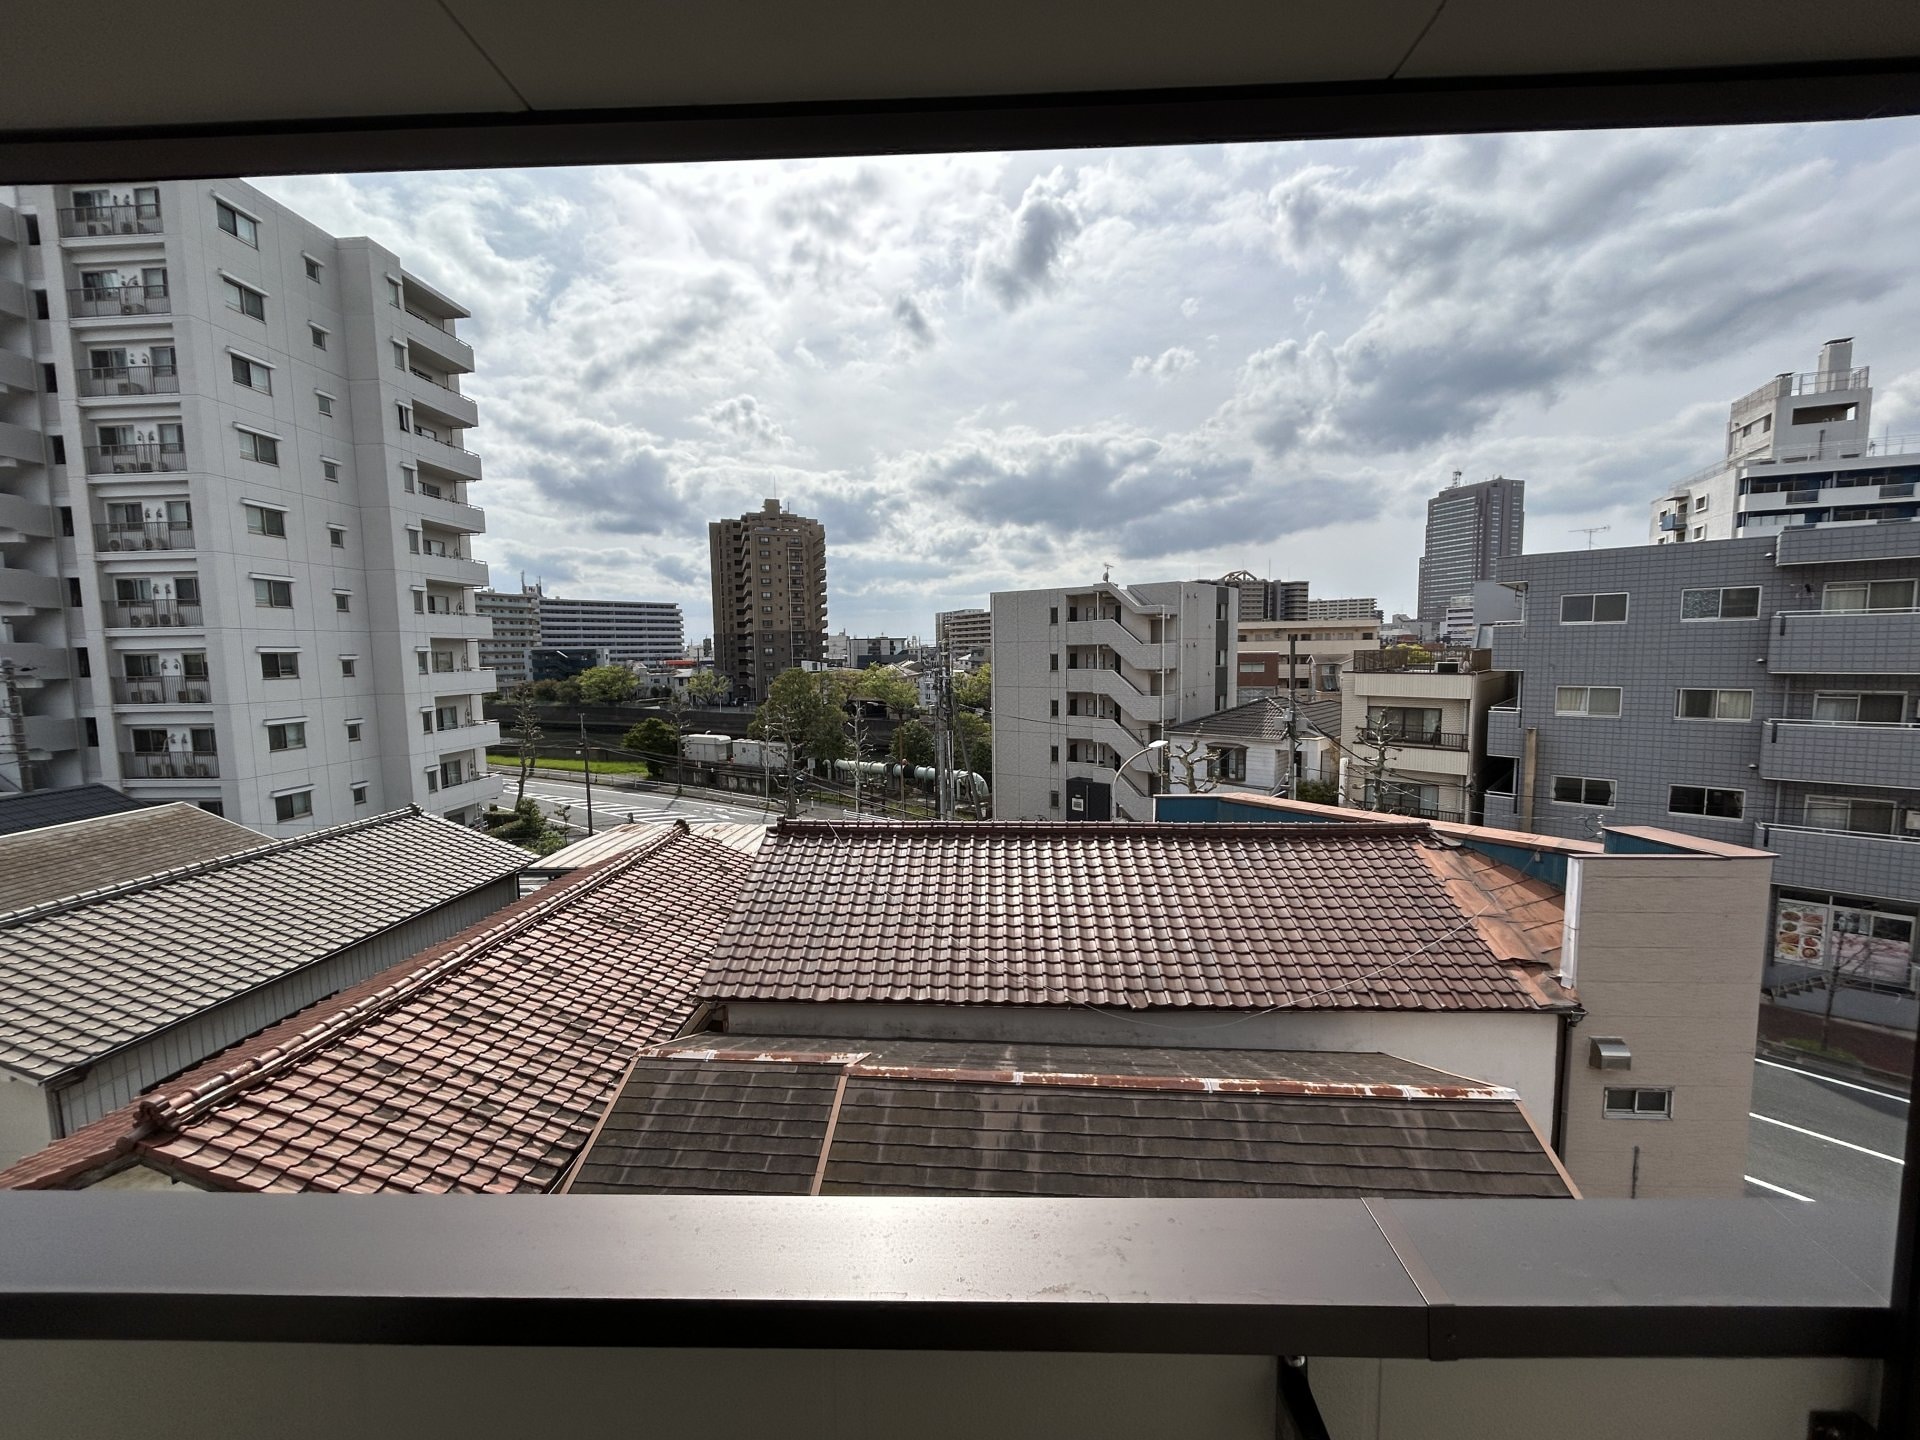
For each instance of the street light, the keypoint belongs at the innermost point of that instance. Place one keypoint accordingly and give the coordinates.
(1156, 745)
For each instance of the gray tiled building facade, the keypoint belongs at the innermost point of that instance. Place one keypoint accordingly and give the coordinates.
(1759, 692)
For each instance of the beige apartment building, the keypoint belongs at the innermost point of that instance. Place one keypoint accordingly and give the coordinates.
(769, 596)
(1307, 656)
(1411, 732)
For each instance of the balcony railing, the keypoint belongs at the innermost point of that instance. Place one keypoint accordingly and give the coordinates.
(162, 690)
(171, 765)
(140, 458)
(1419, 739)
(434, 320)
(426, 434)
(419, 374)
(160, 613)
(94, 302)
(1397, 660)
(161, 536)
(141, 219)
(450, 665)
(130, 380)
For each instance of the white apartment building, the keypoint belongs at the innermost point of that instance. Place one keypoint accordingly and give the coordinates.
(1086, 677)
(235, 563)
(964, 633)
(515, 618)
(632, 632)
(1344, 607)
(1799, 451)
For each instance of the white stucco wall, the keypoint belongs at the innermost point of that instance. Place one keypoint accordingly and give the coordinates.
(24, 1123)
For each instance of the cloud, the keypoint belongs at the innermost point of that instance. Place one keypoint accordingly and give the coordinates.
(913, 320)
(1023, 263)
(1164, 366)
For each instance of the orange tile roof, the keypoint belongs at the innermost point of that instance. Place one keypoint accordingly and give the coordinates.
(478, 1066)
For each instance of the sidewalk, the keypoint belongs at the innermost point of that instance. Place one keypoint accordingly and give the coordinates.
(1885, 1056)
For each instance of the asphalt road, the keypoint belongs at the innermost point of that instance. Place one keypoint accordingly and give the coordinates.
(1818, 1139)
(613, 807)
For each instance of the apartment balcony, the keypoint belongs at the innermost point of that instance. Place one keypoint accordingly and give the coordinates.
(453, 514)
(444, 455)
(1414, 739)
(483, 789)
(432, 336)
(1819, 752)
(23, 519)
(162, 690)
(146, 457)
(1504, 732)
(83, 221)
(35, 665)
(118, 302)
(453, 568)
(154, 614)
(1844, 642)
(24, 591)
(1848, 861)
(1440, 661)
(1142, 654)
(161, 536)
(1501, 810)
(438, 396)
(115, 381)
(171, 765)
(50, 734)
(443, 663)
(17, 371)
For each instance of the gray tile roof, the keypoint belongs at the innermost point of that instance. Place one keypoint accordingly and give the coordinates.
(1263, 720)
(83, 976)
(58, 807)
(924, 1118)
(56, 861)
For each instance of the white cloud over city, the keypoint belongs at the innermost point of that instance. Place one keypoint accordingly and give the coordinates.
(992, 371)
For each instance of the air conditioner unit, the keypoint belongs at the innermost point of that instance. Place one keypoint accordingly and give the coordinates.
(196, 770)
(1912, 821)
(113, 544)
(136, 620)
(144, 466)
(166, 620)
(147, 544)
(198, 697)
(127, 307)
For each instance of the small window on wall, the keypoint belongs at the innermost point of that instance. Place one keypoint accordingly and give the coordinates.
(353, 732)
(319, 337)
(290, 736)
(1713, 705)
(1595, 701)
(57, 449)
(1579, 790)
(1705, 800)
(359, 794)
(66, 520)
(1869, 595)
(261, 448)
(93, 733)
(313, 268)
(336, 537)
(262, 521)
(348, 668)
(250, 303)
(1603, 609)
(273, 594)
(1638, 1102)
(330, 470)
(324, 401)
(280, 665)
(342, 602)
(242, 227)
(297, 806)
(252, 374)
(1735, 602)
(399, 356)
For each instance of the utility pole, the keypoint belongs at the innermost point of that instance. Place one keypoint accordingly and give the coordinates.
(17, 720)
(1293, 719)
(586, 769)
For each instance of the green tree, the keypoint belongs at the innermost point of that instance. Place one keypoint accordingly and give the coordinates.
(527, 826)
(913, 743)
(707, 687)
(1319, 792)
(890, 687)
(974, 691)
(800, 712)
(654, 738)
(607, 685)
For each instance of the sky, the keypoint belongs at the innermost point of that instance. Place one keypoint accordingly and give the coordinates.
(1003, 371)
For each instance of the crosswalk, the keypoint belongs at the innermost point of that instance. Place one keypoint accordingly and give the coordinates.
(621, 809)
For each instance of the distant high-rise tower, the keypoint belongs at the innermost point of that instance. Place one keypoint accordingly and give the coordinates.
(1470, 528)
(769, 596)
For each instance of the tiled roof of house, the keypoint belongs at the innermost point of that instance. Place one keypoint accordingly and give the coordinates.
(1348, 916)
(35, 808)
(56, 861)
(478, 1066)
(1264, 720)
(719, 1113)
(745, 838)
(84, 975)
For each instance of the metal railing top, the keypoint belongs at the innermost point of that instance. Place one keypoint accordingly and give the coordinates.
(1846, 724)
(1766, 825)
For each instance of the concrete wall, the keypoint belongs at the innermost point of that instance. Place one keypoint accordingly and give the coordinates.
(1668, 960)
(24, 1123)
(1367, 1399)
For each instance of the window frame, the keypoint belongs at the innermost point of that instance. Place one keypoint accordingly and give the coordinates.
(1716, 718)
(232, 288)
(288, 733)
(1633, 1110)
(271, 602)
(1706, 794)
(279, 659)
(1612, 802)
(258, 446)
(223, 210)
(267, 516)
(1719, 616)
(293, 808)
(1586, 692)
(1594, 597)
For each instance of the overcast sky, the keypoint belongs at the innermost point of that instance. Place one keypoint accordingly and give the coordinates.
(987, 372)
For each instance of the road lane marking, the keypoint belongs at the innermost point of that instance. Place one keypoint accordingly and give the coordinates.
(1778, 1189)
(1829, 1080)
(1815, 1134)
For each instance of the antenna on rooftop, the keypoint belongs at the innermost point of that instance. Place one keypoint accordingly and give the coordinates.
(1106, 572)
(1455, 481)
(1590, 531)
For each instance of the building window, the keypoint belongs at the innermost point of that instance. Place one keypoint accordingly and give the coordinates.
(49, 378)
(280, 665)
(336, 537)
(421, 656)
(419, 602)
(1578, 790)
(393, 292)
(1609, 608)
(73, 591)
(342, 602)
(1732, 602)
(247, 301)
(1053, 799)
(353, 732)
(33, 229)
(290, 736)
(83, 663)
(433, 782)
(263, 448)
(57, 447)
(348, 668)
(359, 794)
(325, 402)
(1639, 1102)
(243, 228)
(1860, 708)
(1705, 800)
(262, 521)
(1699, 503)
(1053, 754)
(1713, 705)
(93, 733)
(1844, 812)
(273, 594)
(330, 470)
(1053, 661)
(1594, 701)
(252, 374)
(1699, 532)
(406, 421)
(319, 337)
(66, 520)
(426, 722)
(296, 806)
(1053, 708)
(1869, 595)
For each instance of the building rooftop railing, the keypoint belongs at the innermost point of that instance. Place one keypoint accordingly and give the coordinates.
(1809, 382)
(1397, 660)
(141, 219)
